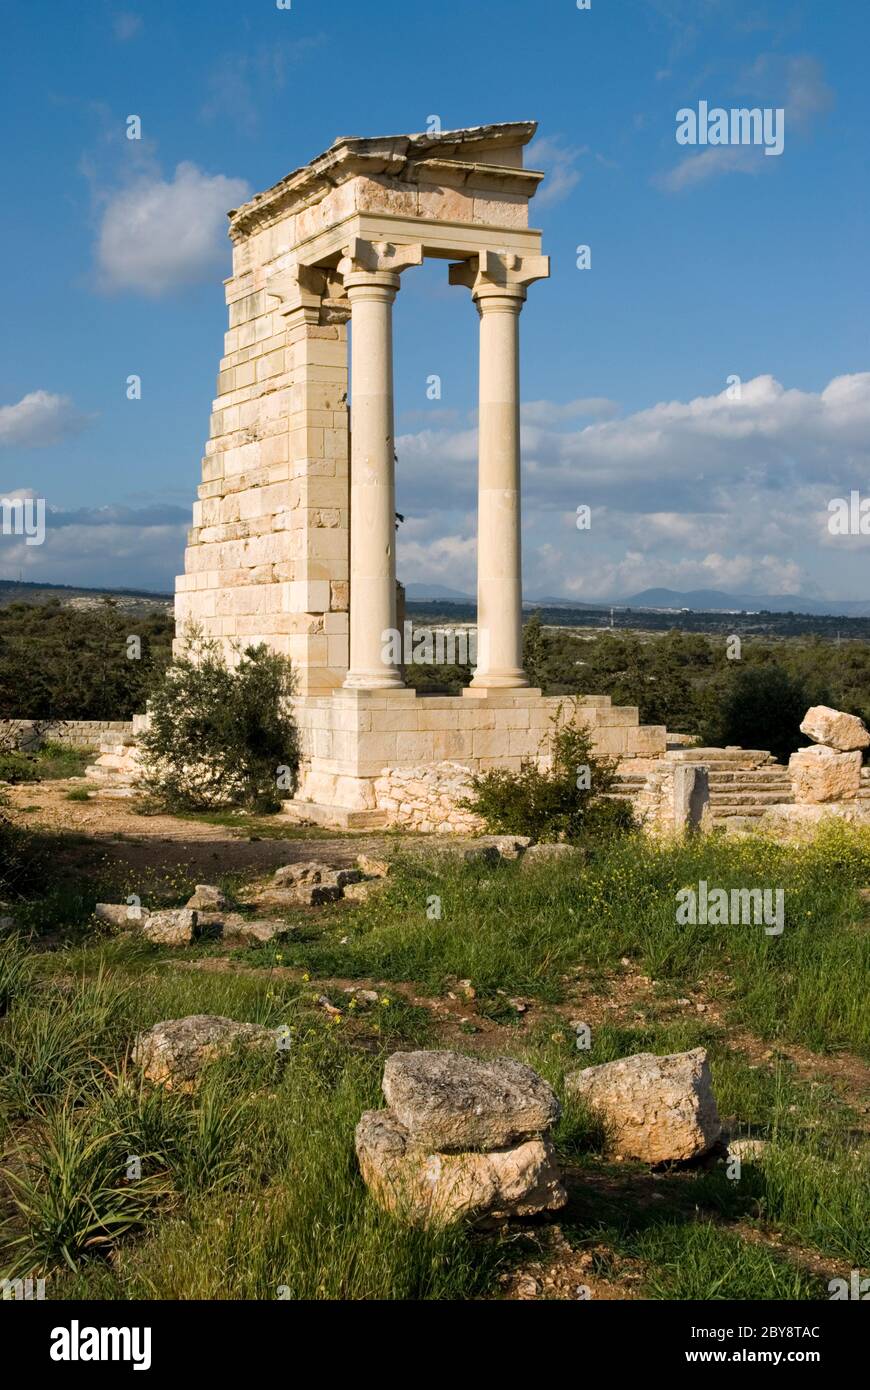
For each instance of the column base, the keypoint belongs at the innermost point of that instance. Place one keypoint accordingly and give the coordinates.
(500, 680)
(364, 680)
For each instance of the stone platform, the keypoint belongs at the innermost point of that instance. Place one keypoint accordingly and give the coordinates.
(354, 739)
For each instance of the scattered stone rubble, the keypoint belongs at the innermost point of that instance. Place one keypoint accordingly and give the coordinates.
(461, 1138)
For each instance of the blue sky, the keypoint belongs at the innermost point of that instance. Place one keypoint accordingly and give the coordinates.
(706, 264)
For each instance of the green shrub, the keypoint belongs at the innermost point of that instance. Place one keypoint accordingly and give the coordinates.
(220, 736)
(16, 768)
(562, 802)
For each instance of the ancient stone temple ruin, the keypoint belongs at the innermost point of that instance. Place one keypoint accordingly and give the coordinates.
(293, 539)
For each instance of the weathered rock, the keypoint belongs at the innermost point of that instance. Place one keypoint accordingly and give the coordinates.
(747, 1150)
(545, 854)
(7, 923)
(845, 732)
(453, 1103)
(173, 1053)
(371, 867)
(657, 1109)
(361, 892)
(316, 894)
(362, 996)
(233, 928)
(175, 927)
(820, 774)
(426, 1188)
(511, 846)
(311, 871)
(120, 914)
(207, 898)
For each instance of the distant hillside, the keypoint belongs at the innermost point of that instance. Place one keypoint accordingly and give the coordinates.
(12, 591)
(715, 601)
(425, 593)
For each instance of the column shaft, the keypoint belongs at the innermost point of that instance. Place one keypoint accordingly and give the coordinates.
(499, 561)
(372, 481)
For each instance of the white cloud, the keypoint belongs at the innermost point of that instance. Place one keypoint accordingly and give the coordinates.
(559, 161)
(39, 418)
(710, 163)
(157, 235)
(710, 492)
(111, 546)
(595, 407)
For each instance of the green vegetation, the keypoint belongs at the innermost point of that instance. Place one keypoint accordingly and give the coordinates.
(561, 802)
(58, 662)
(687, 682)
(249, 1187)
(51, 762)
(219, 736)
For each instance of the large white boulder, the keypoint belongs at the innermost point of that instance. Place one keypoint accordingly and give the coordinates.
(845, 732)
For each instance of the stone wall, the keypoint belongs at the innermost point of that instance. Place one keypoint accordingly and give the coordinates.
(427, 799)
(74, 733)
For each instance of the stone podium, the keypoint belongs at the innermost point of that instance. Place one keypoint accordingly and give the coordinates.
(293, 538)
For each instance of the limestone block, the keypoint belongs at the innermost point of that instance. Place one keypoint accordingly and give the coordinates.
(845, 732)
(657, 1109)
(507, 210)
(445, 204)
(450, 1102)
(173, 1053)
(433, 1189)
(820, 774)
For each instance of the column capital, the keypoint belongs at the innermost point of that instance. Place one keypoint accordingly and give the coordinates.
(499, 275)
(300, 288)
(376, 263)
(309, 294)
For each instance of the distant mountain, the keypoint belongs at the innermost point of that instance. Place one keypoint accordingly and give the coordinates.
(548, 601)
(715, 600)
(426, 592)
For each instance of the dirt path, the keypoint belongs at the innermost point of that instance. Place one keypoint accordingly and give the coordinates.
(114, 830)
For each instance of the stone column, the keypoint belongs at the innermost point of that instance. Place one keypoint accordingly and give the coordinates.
(498, 284)
(371, 275)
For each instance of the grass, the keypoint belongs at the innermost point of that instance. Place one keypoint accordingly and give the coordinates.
(527, 932)
(52, 762)
(249, 1186)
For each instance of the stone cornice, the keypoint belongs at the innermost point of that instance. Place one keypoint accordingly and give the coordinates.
(402, 157)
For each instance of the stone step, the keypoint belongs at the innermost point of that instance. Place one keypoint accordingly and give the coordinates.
(761, 775)
(736, 805)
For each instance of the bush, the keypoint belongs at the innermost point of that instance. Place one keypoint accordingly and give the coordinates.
(221, 737)
(563, 802)
(763, 708)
